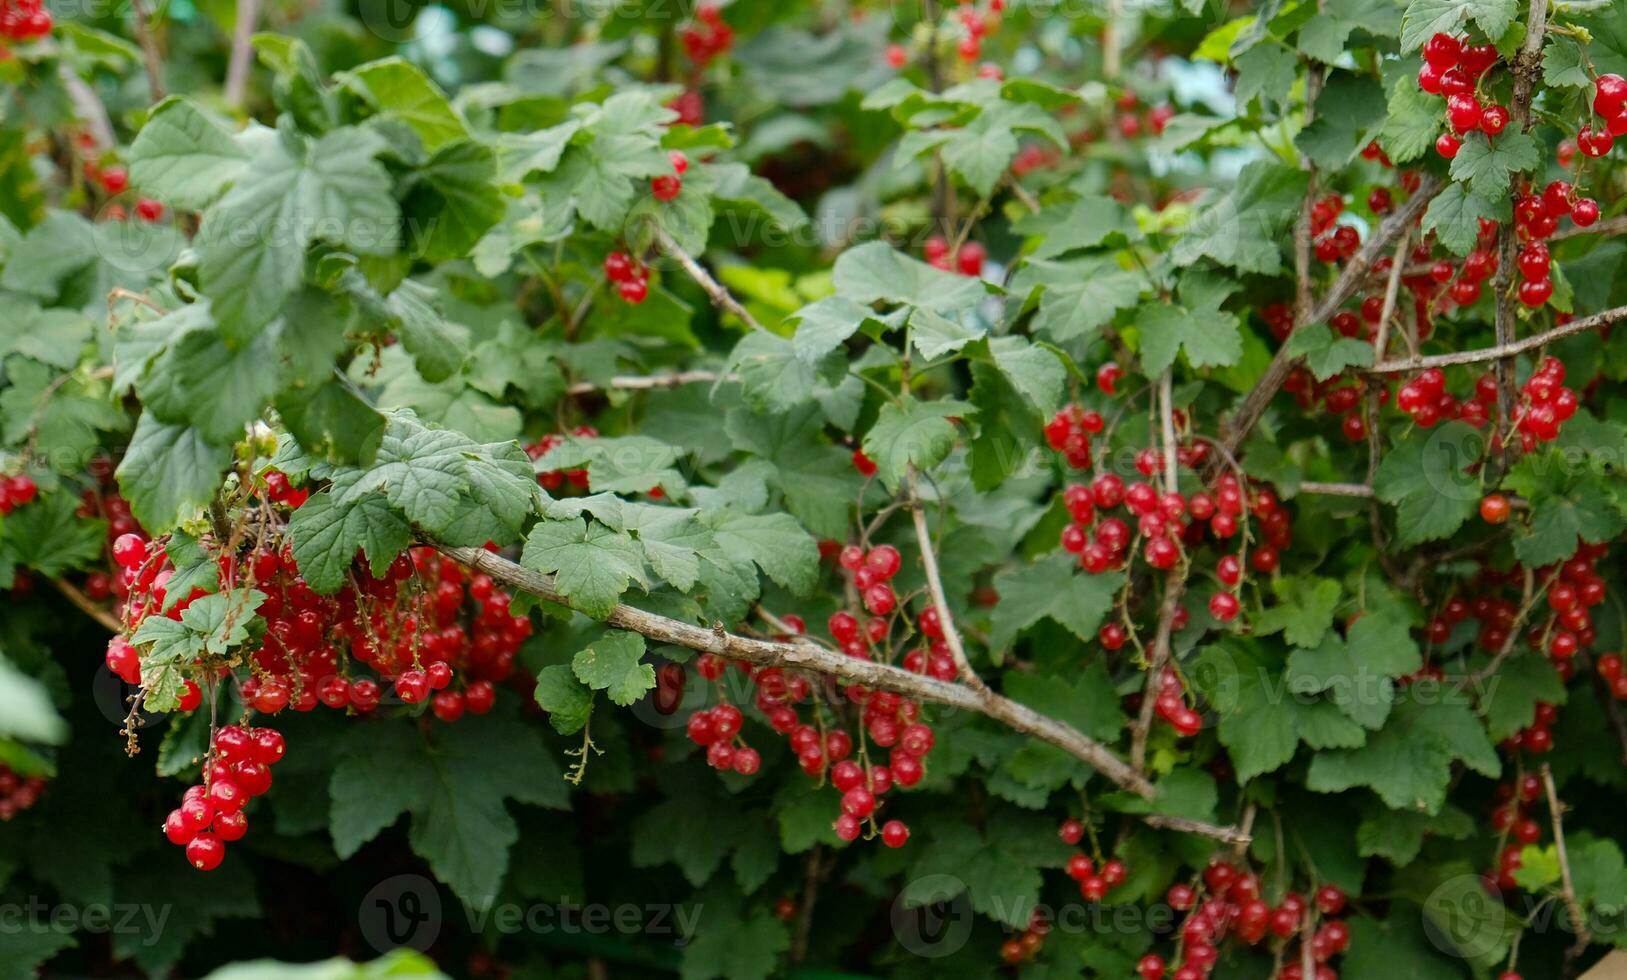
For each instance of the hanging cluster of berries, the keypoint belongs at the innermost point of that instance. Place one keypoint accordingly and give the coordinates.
(553, 480)
(872, 573)
(690, 106)
(1069, 433)
(888, 721)
(280, 491)
(1334, 242)
(236, 770)
(632, 277)
(668, 186)
(975, 26)
(1610, 104)
(1453, 68)
(1545, 404)
(1226, 901)
(24, 20)
(1027, 945)
(707, 36)
(18, 792)
(17, 491)
(1130, 125)
(968, 261)
(1512, 815)
(1094, 882)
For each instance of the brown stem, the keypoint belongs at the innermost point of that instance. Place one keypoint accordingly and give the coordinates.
(1174, 586)
(715, 291)
(86, 606)
(1607, 227)
(639, 382)
(151, 60)
(1226, 835)
(812, 657)
(814, 873)
(1567, 885)
(242, 57)
(1336, 489)
(1503, 351)
(934, 581)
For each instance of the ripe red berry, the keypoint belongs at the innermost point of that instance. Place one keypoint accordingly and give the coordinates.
(970, 259)
(894, 833)
(114, 180)
(1494, 508)
(1493, 119)
(130, 550)
(896, 58)
(634, 290)
(412, 686)
(1224, 606)
(148, 209)
(1448, 145)
(666, 187)
(205, 852)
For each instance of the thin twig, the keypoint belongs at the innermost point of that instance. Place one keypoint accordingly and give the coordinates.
(719, 295)
(1336, 489)
(1226, 835)
(1172, 483)
(242, 57)
(1174, 586)
(1568, 887)
(641, 382)
(151, 60)
(929, 561)
(87, 105)
(74, 595)
(1502, 351)
(809, 656)
(1607, 227)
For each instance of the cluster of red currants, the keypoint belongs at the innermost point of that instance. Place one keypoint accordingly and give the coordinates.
(1094, 883)
(552, 480)
(18, 792)
(211, 814)
(17, 491)
(968, 261)
(668, 186)
(707, 36)
(975, 26)
(1452, 68)
(1610, 104)
(1027, 944)
(1334, 242)
(1545, 404)
(1069, 433)
(1130, 125)
(872, 573)
(632, 277)
(1231, 905)
(1511, 815)
(280, 491)
(888, 720)
(24, 20)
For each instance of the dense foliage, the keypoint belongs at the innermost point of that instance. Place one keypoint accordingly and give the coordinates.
(1000, 489)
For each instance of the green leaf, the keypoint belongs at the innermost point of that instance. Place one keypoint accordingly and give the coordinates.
(1196, 325)
(823, 326)
(1357, 672)
(568, 701)
(1033, 369)
(454, 200)
(49, 537)
(1079, 295)
(1412, 123)
(60, 245)
(1086, 701)
(935, 335)
(958, 860)
(1349, 107)
(1304, 609)
(614, 664)
(54, 337)
(327, 534)
(454, 786)
(26, 711)
(877, 272)
(1082, 223)
(1567, 503)
(1425, 476)
(169, 472)
(400, 90)
(1327, 353)
(1261, 724)
(253, 240)
(1408, 762)
(592, 564)
(212, 383)
(912, 433)
(1509, 702)
(1486, 163)
(774, 375)
(1244, 228)
(1266, 72)
(1052, 588)
(1425, 18)
(1398, 835)
(438, 348)
(736, 945)
(774, 542)
(1454, 216)
(183, 157)
(1562, 65)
